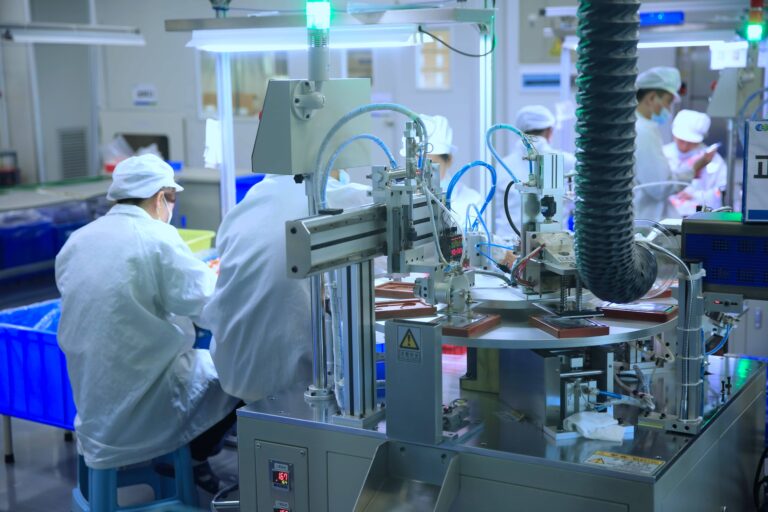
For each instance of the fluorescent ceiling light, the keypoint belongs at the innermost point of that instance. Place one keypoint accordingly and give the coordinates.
(679, 39)
(48, 33)
(295, 38)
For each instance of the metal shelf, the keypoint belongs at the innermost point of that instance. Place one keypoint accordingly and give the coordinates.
(441, 16)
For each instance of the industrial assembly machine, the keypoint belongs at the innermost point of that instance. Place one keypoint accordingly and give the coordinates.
(687, 426)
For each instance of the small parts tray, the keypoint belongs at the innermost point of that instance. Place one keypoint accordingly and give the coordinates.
(403, 309)
(395, 290)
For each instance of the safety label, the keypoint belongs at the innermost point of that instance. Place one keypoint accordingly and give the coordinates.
(409, 348)
(623, 462)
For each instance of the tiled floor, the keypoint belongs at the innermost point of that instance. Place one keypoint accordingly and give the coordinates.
(42, 478)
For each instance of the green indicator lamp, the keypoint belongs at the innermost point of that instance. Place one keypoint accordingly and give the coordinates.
(318, 34)
(754, 32)
(318, 14)
(754, 28)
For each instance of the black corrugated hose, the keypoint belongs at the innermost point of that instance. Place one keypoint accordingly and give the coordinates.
(609, 263)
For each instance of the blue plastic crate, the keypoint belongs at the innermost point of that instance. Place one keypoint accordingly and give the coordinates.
(34, 384)
(244, 183)
(25, 239)
(62, 232)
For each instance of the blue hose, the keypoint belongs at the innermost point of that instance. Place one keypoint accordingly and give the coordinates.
(489, 143)
(722, 342)
(364, 136)
(462, 171)
(474, 224)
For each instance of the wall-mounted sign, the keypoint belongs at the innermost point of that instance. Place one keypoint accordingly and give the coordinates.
(144, 95)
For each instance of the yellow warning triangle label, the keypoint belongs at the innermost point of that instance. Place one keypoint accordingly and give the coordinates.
(409, 341)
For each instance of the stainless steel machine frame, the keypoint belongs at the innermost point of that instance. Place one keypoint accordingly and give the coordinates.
(508, 464)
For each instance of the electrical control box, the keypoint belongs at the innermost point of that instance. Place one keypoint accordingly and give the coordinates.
(282, 483)
(755, 201)
(734, 255)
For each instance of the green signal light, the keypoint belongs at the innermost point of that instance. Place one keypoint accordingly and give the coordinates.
(754, 32)
(318, 15)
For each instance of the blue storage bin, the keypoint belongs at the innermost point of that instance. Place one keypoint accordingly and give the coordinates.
(25, 237)
(34, 384)
(62, 232)
(244, 183)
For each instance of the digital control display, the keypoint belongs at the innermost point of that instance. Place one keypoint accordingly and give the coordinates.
(281, 506)
(281, 479)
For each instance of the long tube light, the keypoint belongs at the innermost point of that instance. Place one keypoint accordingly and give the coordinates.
(679, 39)
(49, 33)
(288, 39)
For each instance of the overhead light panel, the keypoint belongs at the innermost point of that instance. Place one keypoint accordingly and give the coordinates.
(675, 39)
(51, 33)
(295, 38)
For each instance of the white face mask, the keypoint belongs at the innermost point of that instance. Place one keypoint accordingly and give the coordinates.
(168, 209)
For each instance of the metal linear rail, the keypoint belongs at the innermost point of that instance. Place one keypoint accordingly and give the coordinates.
(326, 242)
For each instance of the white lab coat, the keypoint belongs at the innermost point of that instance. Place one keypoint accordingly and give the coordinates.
(651, 165)
(129, 286)
(260, 318)
(520, 167)
(706, 189)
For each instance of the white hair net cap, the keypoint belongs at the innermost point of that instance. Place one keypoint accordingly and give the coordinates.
(534, 117)
(660, 77)
(140, 177)
(691, 126)
(439, 133)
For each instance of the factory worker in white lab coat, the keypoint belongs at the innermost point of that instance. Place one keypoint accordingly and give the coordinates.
(441, 149)
(260, 318)
(656, 90)
(129, 288)
(688, 131)
(538, 122)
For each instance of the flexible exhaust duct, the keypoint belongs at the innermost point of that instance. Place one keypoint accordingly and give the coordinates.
(609, 263)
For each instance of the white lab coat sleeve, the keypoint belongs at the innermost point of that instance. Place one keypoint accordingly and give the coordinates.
(186, 283)
(652, 165)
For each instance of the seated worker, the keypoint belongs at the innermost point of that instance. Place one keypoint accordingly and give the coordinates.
(689, 129)
(129, 288)
(538, 122)
(440, 137)
(259, 317)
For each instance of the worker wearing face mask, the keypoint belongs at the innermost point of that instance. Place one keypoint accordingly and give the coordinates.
(688, 131)
(260, 317)
(656, 90)
(538, 123)
(129, 288)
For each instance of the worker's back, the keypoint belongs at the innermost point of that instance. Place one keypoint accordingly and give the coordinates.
(128, 283)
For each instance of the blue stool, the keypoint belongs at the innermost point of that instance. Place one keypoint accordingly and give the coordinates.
(96, 489)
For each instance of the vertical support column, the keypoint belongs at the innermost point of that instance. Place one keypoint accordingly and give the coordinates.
(319, 389)
(7, 440)
(690, 351)
(486, 107)
(730, 161)
(226, 120)
(358, 339)
(95, 56)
